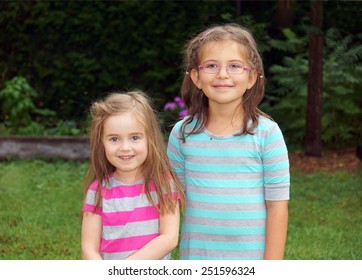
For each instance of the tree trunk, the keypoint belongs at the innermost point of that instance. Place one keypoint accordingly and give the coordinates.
(313, 144)
(285, 14)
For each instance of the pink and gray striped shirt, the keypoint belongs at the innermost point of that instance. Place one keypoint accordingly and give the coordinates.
(129, 220)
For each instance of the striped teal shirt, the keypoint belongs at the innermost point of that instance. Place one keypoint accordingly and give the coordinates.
(227, 180)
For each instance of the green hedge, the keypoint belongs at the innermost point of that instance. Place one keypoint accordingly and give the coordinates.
(73, 52)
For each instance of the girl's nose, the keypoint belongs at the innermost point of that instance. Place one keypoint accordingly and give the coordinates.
(125, 146)
(223, 73)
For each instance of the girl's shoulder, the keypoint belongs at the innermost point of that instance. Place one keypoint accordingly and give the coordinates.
(189, 124)
(266, 123)
(178, 125)
(267, 128)
(180, 122)
(94, 185)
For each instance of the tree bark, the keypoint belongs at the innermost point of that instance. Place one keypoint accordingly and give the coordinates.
(285, 13)
(313, 141)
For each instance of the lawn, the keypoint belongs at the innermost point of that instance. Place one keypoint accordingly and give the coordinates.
(40, 206)
(40, 209)
(325, 216)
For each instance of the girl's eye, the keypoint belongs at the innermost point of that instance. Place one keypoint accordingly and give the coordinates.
(113, 139)
(235, 66)
(211, 65)
(135, 138)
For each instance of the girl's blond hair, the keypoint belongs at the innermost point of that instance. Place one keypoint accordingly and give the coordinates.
(156, 167)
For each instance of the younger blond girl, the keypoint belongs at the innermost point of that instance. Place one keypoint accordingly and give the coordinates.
(132, 197)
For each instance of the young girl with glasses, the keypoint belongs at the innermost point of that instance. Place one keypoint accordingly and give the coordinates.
(230, 157)
(131, 203)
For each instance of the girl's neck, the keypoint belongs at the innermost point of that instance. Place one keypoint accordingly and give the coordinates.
(223, 122)
(126, 178)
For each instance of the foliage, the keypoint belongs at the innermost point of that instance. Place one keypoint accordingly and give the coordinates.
(342, 90)
(66, 128)
(73, 52)
(288, 94)
(19, 112)
(40, 213)
(341, 87)
(21, 116)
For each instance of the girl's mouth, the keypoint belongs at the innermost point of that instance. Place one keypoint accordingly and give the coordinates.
(222, 86)
(125, 157)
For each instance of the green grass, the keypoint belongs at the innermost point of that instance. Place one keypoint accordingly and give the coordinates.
(325, 216)
(40, 209)
(40, 204)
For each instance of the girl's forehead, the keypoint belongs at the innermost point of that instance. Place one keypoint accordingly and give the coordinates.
(123, 122)
(126, 116)
(223, 49)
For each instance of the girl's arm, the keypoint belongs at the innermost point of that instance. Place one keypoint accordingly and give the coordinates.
(160, 246)
(91, 236)
(276, 229)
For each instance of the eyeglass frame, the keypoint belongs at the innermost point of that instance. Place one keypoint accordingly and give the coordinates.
(244, 68)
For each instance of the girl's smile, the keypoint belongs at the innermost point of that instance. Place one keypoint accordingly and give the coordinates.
(126, 157)
(222, 86)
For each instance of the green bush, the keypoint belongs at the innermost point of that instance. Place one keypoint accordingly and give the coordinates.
(19, 113)
(21, 116)
(73, 52)
(342, 101)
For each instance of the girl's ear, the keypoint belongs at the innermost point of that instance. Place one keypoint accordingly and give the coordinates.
(194, 75)
(252, 78)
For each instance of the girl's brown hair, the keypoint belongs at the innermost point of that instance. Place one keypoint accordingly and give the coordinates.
(156, 166)
(193, 97)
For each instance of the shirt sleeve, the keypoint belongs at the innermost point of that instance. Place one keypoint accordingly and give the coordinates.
(90, 200)
(276, 166)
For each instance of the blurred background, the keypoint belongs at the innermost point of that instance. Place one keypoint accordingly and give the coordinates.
(56, 57)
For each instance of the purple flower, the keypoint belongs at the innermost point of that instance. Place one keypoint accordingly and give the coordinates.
(183, 113)
(177, 106)
(170, 106)
(178, 99)
(179, 102)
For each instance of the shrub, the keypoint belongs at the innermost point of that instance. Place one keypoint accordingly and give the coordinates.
(287, 103)
(19, 113)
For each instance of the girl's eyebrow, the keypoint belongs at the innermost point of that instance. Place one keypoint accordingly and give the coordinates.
(229, 61)
(111, 135)
(117, 135)
(137, 133)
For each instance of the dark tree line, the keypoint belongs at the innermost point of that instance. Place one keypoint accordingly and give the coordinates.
(72, 52)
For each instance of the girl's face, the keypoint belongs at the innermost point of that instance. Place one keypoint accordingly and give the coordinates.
(126, 145)
(223, 88)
